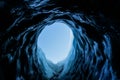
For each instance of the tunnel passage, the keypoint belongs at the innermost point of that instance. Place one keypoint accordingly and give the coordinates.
(90, 56)
(55, 41)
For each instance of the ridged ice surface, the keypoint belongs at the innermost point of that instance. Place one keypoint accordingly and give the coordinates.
(89, 59)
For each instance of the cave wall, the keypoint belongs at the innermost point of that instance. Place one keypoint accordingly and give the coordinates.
(22, 20)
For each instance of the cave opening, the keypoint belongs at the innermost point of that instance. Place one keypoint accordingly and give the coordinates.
(56, 41)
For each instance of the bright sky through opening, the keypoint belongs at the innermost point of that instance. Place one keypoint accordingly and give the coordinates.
(55, 40)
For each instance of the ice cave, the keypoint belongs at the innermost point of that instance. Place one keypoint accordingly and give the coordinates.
(59, 40)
